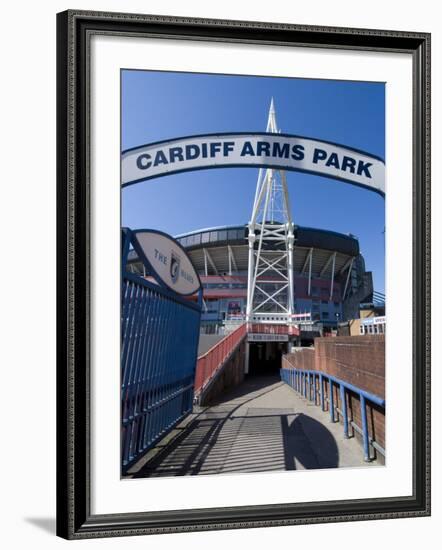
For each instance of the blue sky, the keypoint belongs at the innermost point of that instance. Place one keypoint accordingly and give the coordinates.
(163, 105)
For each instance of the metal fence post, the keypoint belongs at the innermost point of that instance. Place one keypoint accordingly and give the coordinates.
(344, 410)
(364, 422)
(331, 400)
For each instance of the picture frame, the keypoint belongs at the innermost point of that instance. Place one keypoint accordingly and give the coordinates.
(75, 518)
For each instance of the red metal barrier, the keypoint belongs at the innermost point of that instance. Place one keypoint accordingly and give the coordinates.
(212, 360)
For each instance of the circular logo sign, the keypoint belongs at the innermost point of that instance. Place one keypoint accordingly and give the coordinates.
(167, 260)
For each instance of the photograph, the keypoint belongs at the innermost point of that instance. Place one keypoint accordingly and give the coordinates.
(253, 294)
(242, 208)
(220, 335)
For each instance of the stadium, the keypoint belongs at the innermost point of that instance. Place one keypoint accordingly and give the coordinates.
(329, 274)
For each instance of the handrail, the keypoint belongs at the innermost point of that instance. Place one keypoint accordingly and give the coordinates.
(210, 362)
(303, 380)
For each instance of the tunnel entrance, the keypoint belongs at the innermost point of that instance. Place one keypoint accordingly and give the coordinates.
(265, 357)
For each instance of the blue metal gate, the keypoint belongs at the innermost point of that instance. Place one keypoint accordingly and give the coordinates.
(159, 341)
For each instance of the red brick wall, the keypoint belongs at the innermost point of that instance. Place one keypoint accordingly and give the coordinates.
(304, 359)
(359, 360)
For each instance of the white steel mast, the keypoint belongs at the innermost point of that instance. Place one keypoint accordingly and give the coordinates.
(271, 242)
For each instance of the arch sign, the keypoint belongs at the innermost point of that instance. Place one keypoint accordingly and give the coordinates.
(280, 151)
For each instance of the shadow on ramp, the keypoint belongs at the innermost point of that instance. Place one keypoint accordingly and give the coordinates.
(238, 435)
(309, 444)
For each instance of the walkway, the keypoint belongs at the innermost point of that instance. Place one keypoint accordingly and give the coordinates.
(261, 425)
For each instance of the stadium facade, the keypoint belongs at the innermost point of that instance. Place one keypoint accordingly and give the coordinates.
(329, 276)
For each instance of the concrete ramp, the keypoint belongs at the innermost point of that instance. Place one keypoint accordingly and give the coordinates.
(260, 425)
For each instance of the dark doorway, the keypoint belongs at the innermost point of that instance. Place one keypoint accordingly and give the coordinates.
(265, 357)
(307, 342)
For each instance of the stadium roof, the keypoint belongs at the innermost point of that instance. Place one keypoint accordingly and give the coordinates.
(220, 250)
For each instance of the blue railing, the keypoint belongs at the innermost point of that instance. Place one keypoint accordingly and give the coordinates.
(159, 342)
(310, 384)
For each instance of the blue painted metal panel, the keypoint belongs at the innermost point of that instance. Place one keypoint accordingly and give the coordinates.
(159, 342)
